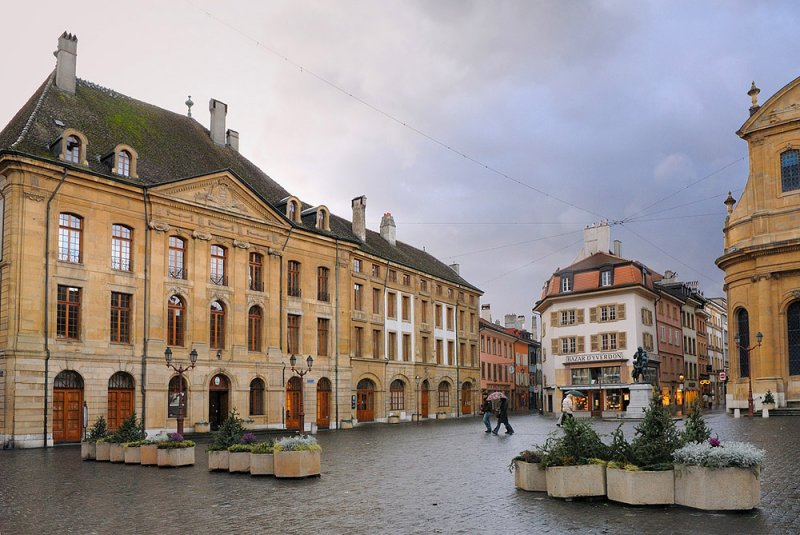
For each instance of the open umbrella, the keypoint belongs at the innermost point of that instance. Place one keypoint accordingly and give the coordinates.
(575, 393)
(496, 395)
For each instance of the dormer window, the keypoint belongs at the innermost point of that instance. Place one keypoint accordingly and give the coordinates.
(71, 147)
(124, 163)
(291, 210)
(323, 218)
(72, 152)
(606, 278)
(566, 283)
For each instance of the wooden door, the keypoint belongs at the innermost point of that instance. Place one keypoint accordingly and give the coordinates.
(120, 407)
(424, 409)
(596, 400)
(293, 404)
(365, 401)
(323, 404)
(466, 399)
(67, 414)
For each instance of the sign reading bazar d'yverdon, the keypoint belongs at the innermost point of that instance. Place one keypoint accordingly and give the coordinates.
(594, 357)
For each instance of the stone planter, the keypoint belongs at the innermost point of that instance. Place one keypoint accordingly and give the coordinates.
(528, 476)
(239, 461)
(117, 453)
(576, 481)
(768, 406)
(175, 457)
(393, 419)
(202, 427)
(88, 451)
(148, 454)
(297, 463)
(441, 415)
(218, 460)
(717, 489)
(262, 464)
(640, 488)
(347, 424)
(103, 451)
(133, 455)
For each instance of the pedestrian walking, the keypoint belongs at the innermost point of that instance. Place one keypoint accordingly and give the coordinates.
(567, 406)
(502, 417)
(486, 410)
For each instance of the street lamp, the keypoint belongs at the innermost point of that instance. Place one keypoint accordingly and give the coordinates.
(180, 369)
(301, 373)
(419, 412)
(747, 350)
(682, 388)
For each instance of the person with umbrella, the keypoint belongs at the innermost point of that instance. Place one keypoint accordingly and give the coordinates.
(568, 406)
(486, 410)
(502, 413)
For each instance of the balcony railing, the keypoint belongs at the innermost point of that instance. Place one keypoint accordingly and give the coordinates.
(293, 291)
(219, 280)
(257, 286)
(177, 273)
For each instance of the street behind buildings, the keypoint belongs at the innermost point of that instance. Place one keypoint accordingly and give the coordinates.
(444, 476)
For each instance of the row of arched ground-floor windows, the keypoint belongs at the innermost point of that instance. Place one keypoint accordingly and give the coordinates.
(366, 392)
(742, 319)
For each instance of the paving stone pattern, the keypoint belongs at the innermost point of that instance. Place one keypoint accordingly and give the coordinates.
(432, 477)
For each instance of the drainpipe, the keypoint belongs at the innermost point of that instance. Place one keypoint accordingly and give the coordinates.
(458, 359)
(146, 305)
(47, 301)
(336, 336)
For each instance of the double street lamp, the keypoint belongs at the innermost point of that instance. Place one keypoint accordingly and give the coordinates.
(180, 369)
(301, 373)
(747, 350)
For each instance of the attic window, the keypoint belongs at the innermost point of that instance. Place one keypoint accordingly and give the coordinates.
(323, 219)
(606, 277)
(293, 209)
(124, 163)
(566, 283)
(72, 152)
(71, 147)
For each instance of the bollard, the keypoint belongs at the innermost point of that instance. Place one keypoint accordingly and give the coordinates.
(737, 413)
(765, 413)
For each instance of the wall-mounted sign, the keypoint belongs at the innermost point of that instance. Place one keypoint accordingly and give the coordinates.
(594, 357)
(216, 380)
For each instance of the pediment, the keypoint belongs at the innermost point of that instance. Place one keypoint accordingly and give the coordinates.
(782, 107)
(222, 193)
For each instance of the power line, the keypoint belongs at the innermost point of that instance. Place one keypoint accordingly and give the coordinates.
(682, 205)
(487, 223)
(530, 263)
(512, 244)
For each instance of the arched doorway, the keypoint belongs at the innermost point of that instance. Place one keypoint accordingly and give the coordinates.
(293, 403)
(323, 403)
(365, 401)
(67, 407)
(424, 395)
(466, 398)
(218, 400)
(793, 332)
(120, 399)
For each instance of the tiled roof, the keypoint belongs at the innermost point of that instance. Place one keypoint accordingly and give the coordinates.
(170, 147)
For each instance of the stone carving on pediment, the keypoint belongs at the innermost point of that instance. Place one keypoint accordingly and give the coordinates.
(241, 244)
(219, 194)
(223, 226)
(33, 196)
(201, 236)
(159, 226)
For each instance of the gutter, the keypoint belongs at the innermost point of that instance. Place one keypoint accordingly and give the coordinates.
(336, 336)
(47, 302)
(146, 320)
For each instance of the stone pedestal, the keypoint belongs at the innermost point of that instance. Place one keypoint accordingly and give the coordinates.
(640, 400)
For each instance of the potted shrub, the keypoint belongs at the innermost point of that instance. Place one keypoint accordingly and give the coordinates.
(529, 474)
(176, 451)
(130, 430)
(239, 459)
(394, 418)
(202, 427)
(89, 444)
(704, 470)
(103, 449)
(768, 402)
(575, 461)
(641, 473)
(228, 434)
(297, 456)
(262, 459)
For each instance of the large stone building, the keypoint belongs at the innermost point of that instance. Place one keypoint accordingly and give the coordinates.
(129, 230)
(761, 256)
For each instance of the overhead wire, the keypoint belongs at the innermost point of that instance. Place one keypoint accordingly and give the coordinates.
(498, 247)
(573, 244)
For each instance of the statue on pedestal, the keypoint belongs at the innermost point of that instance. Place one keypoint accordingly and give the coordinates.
(640, 360)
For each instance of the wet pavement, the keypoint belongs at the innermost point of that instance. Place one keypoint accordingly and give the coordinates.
(444, 476)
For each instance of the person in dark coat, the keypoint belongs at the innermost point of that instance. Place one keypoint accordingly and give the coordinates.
(502, 418)
(486, 410)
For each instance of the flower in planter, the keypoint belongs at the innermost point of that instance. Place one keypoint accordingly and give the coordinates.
(262, 448)
(299, 443)
(728, 455)
(247, 438)
(175, 437)
(714, 441)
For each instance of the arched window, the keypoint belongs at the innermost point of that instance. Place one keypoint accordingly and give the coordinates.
(291, 210)
(70, 237)
(124, 163)
(72, 152)
(743, 330)
(397, 393)
(256, 397)
(120, 398)
(218, 266)
(793, 331)
(790, 170)
(176, 321)
(178, 390)
(444, 394)
(68, 379)
(121, 247)
(216, 336)
(177, 257)
(254, 323)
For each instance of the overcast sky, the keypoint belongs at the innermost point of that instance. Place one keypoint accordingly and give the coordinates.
(558, 113)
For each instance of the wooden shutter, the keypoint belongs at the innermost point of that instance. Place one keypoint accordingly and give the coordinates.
(621, 311)
(554, 319)
(593, 314)
(579, 316)
(644, 316)
(594, 343)
(622, 341)
(554, 346)
(581, 346)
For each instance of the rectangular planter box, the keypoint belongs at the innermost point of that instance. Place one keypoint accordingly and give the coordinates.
(88, 451)
(218, 460)
(347, 424)
(202, 428)
(576, 481)
(103, 451)
(175, 457)
(148, 454)
(133, 455)
(717, 489)
(239, 461)
(297, 463)
(641, 488)
(262, 464)
(528, 476)
(441, 415)
(117, 453)
(393, 419)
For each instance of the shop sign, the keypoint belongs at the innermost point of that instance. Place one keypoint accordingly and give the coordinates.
(594, 357)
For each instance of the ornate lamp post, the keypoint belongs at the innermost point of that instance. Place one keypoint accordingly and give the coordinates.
(682, 389)
(747, 350)
(419, 408)
(180, 369)
(301, 373)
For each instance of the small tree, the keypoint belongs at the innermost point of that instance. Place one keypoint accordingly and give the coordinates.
(130, 430)
(579, 444)
(229, 433)
(99, 430)
(656, 438)
(695, 430)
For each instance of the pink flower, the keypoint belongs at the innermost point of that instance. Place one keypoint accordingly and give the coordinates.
(714, 441)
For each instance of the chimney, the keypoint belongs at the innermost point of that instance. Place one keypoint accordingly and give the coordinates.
(232, 140)
(66, 56)
(617, 248)
(596, 239)
(456, 268)
(359, 217)
(521, 322)
(218, 111)
(486, 312)
(388, 229)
